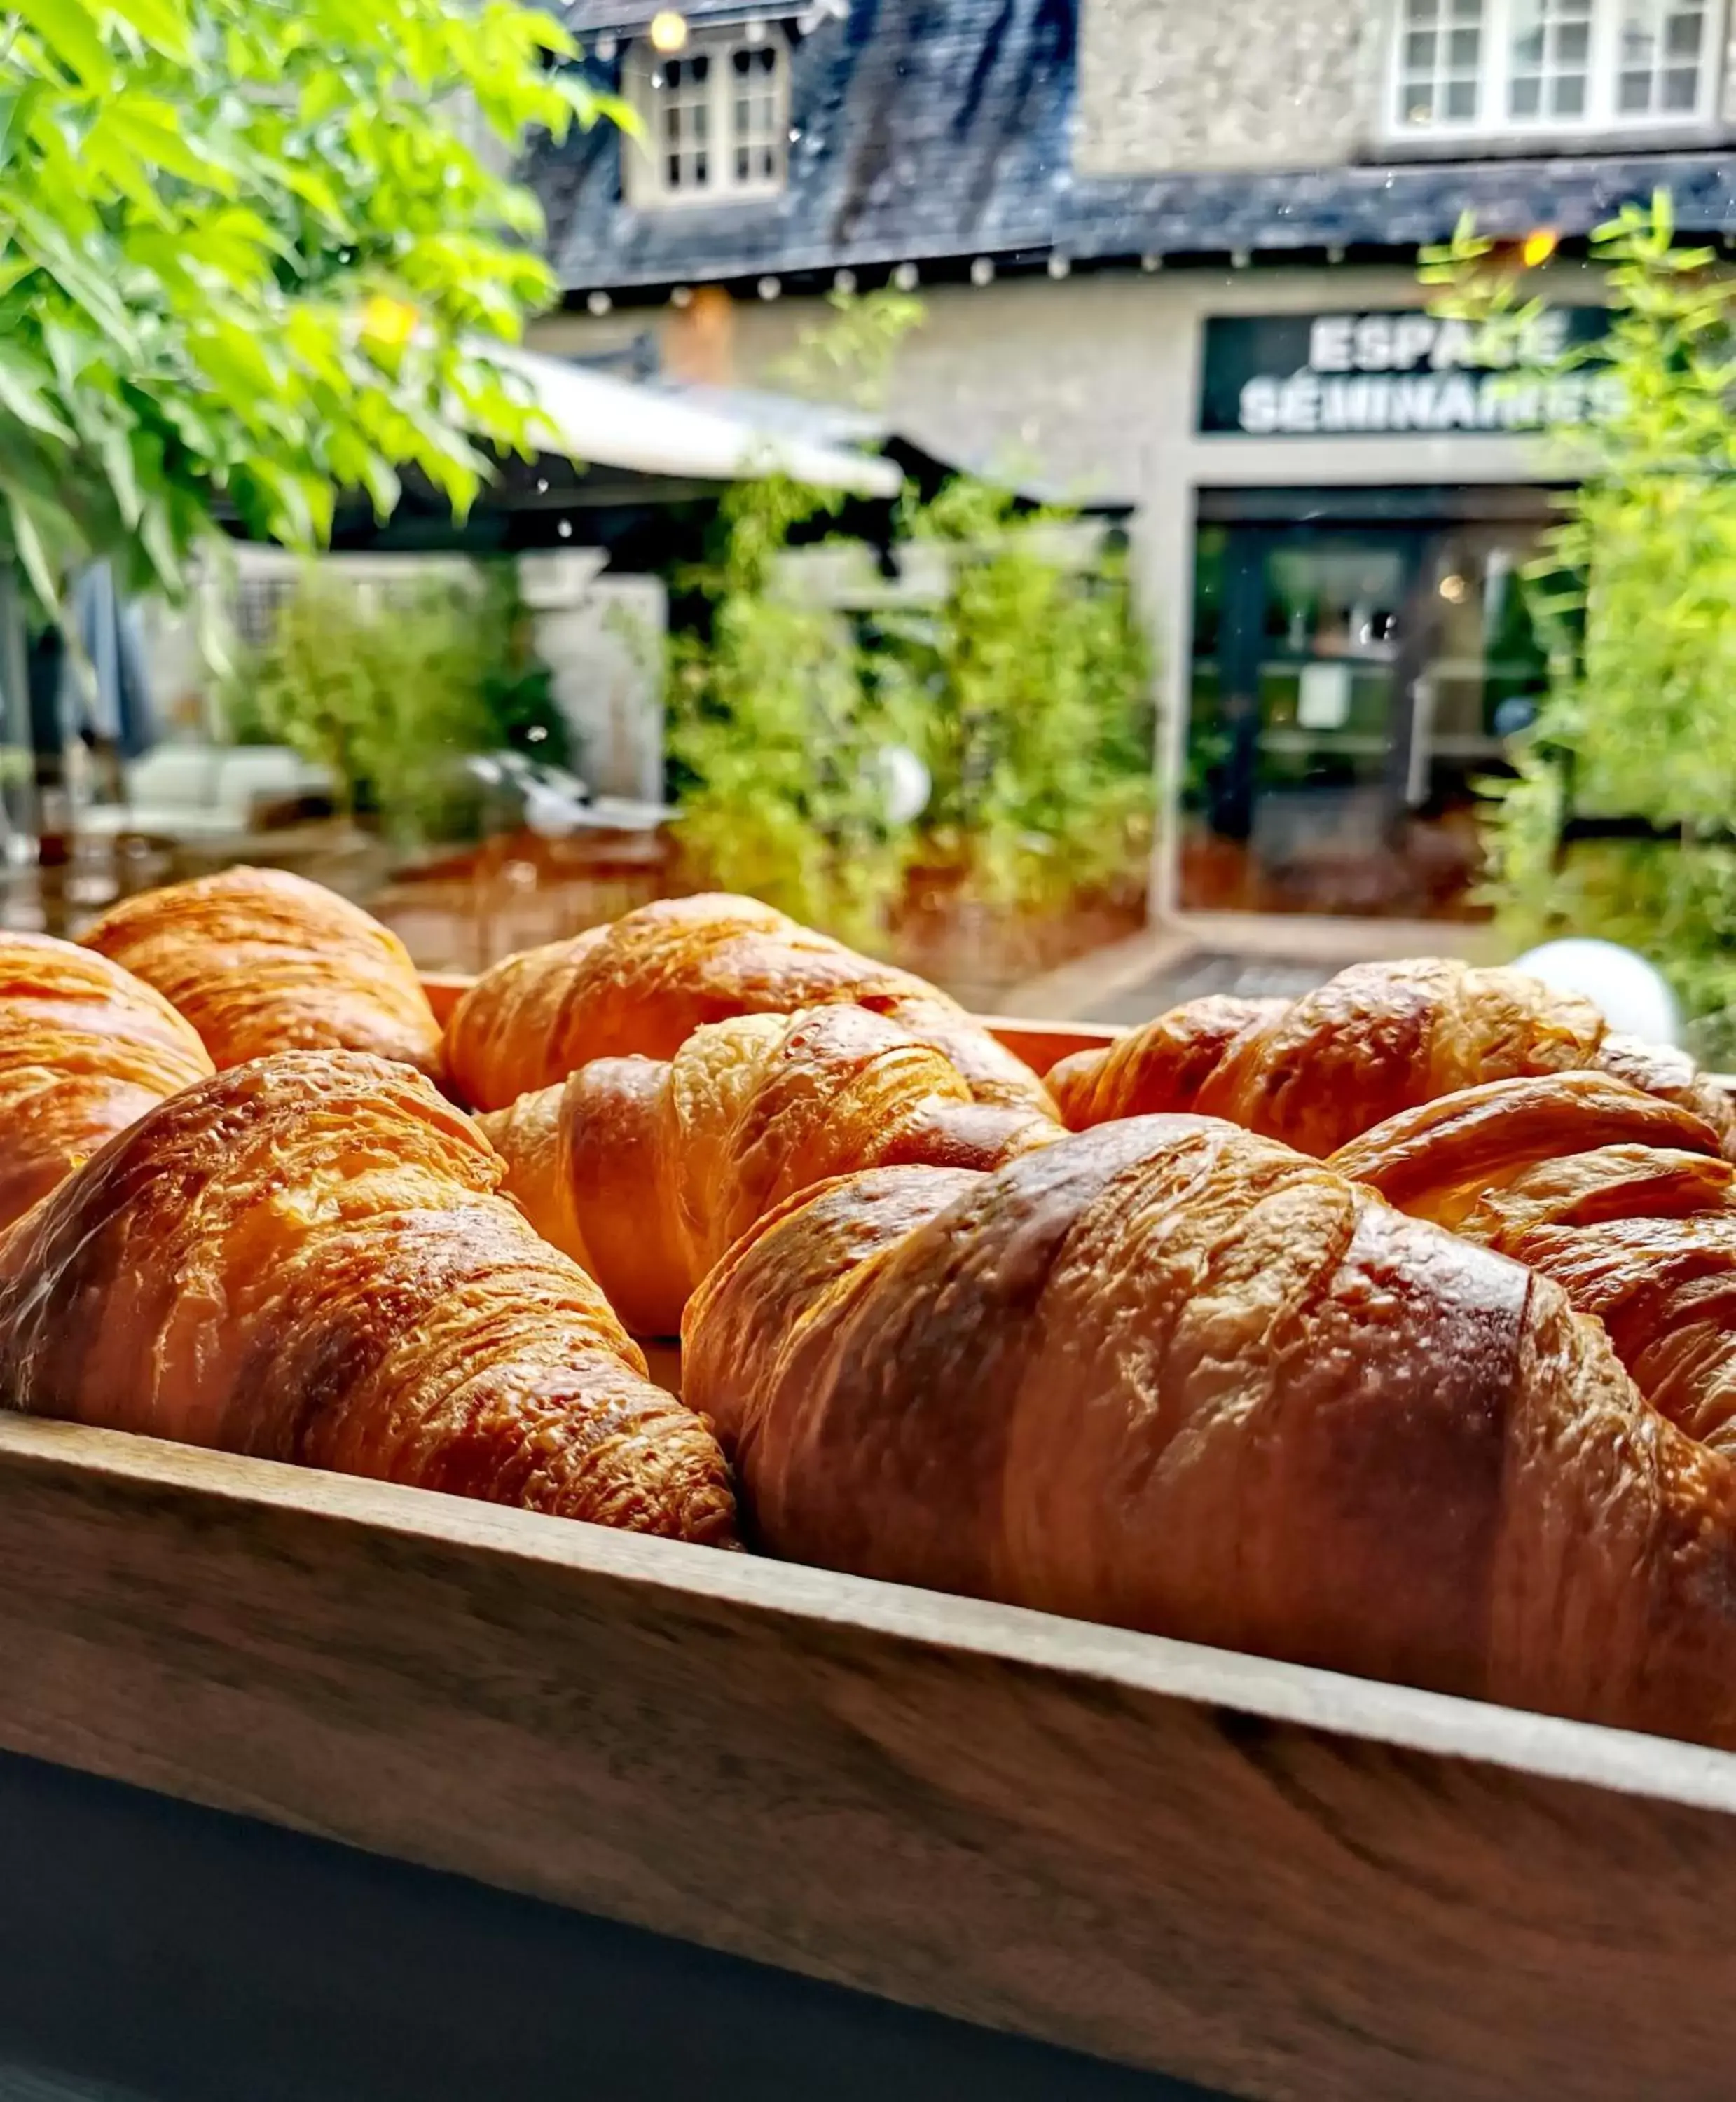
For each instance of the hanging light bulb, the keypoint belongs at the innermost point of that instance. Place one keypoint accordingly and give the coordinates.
(668, 32)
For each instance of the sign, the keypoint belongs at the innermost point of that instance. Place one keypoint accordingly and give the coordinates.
(1339, 374)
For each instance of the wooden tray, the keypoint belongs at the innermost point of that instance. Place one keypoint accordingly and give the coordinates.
(1275, 1880)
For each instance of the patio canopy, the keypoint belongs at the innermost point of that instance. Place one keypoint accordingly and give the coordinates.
(606, 421)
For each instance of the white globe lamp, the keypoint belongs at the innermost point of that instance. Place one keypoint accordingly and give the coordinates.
(1630, 993)
(905, 784)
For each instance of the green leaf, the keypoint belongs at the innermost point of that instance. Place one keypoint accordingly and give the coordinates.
(161, 23)
(69, 30)
(157, 539)
(21, 395)
(32, 552)
(117, 461)
(153, 131)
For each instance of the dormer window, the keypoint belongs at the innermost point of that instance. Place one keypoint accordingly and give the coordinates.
(716, 115)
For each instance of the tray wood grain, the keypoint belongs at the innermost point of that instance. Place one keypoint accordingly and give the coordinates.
(1276, 1881)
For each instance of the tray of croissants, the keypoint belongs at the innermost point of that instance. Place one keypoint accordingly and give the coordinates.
(1388, 1332)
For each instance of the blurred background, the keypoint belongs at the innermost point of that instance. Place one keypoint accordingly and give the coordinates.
(1095, 499)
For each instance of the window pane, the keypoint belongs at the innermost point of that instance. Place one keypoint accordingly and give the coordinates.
(1682, 38)
(1550, 56)
(1440, 58)
(1634, 94)
(1681, 88)
(1638, 41)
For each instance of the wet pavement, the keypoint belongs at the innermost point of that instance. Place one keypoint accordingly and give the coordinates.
(1207, 971)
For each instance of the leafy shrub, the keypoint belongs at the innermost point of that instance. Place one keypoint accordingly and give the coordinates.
(390, 695)
(776, 732)
(1638, 587)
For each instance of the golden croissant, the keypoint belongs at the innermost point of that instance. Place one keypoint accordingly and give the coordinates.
(1173, 1375)
(645, 1170)
(646, 983)
(305, 1259)
(86, 1049)
(1622, 1200)
(260, 960)
(1378, 1039)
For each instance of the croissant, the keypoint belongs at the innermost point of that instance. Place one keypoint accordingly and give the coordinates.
(1173, 1375)
(1377, 1039)
(644, 1171)
(260, 960)
(305, 1259)
(1622, 1200)
(86, 1049)
(647, 982)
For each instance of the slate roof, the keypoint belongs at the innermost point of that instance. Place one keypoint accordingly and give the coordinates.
(932, 129)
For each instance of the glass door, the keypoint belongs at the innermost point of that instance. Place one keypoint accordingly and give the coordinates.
(1351, 683)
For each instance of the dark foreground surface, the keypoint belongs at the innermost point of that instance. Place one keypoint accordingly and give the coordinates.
(153, 1953)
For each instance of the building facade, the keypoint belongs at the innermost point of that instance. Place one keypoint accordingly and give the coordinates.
(1168, 255)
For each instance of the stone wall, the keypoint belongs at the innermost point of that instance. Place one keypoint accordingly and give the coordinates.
(1233, 84)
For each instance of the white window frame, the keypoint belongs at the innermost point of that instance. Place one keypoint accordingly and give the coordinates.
(647, 182)
(1495, 71)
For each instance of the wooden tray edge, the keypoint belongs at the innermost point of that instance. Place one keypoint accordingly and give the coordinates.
(1375, 1711)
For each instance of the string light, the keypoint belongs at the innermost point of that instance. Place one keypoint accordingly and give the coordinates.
(668, 32)
(1239, 258)
(1539, 247)
(599, 302)
(1059, 266)
(904, 276)
(681, 295)
(982, 271)
(844, 280)
(768, 288)
(1151, 264)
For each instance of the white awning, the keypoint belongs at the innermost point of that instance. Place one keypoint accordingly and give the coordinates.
(610, 422)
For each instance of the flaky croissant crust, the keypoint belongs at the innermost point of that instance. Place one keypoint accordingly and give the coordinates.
(646, 1170)
(1622, 1200)
(1377, 1039)
(260, 960)
(1173, 1375)
(86, 1049)
(644, 984)
(305, 1258)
